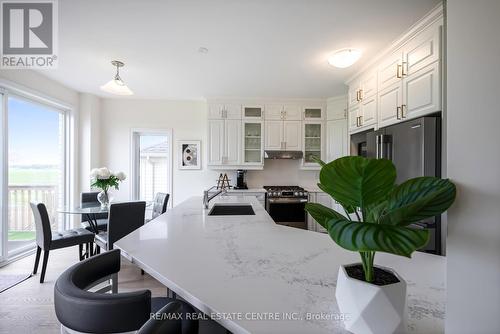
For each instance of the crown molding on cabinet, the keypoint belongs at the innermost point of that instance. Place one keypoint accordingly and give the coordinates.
(430, 18)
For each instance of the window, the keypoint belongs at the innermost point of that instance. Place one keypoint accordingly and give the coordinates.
(152, 163)
(34, 164)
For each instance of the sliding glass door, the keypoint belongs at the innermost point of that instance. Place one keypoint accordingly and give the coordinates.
(34, 168)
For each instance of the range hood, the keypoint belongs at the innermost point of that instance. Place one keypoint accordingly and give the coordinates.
(283, 155)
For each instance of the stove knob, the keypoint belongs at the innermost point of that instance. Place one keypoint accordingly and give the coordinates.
(301, 194)
(275, 193)
(296, 193)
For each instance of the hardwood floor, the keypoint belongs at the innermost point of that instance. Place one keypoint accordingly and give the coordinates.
(29, 306)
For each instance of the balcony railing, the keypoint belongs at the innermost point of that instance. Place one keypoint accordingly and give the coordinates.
(20, 214)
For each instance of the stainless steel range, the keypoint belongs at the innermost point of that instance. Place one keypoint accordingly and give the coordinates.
(286, 205)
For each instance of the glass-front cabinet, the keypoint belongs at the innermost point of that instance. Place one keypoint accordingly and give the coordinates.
(253, 143)
(313, 143)
(253, 112)
(314, 113)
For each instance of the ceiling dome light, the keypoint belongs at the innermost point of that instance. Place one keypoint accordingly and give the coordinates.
(344, 58)
(117, 86)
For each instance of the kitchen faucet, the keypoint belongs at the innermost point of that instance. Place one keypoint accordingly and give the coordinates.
(207, 198)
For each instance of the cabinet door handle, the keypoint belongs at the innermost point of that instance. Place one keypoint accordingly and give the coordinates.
(398, 110)
(360, 94)
(357, 95)
(357, 121)
(399, 71)
(403, 107)
(403, 72)
(360, 120)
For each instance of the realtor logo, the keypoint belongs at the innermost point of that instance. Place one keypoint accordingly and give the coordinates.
(29, 34)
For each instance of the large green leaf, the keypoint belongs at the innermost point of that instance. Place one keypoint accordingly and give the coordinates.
(418, 199)
(322, 214)
(364, 237)
(356, 181)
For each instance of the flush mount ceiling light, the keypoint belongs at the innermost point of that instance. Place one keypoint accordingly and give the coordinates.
(344, 58)
(117, 86)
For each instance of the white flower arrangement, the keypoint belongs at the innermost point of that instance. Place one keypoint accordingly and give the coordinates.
(103, 178)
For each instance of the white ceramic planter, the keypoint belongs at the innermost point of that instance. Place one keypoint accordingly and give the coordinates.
(370, 308)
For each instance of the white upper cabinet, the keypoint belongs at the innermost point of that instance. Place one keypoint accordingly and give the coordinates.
(224, 111)
(292, 112)
(215, 142)
(353, 94)
(253, 112)
(274, 112)
(390, 100)
(274, 135)
(336, 109)
(405, 83)
(422, 92)
(337, 140)
(253, 142)
(232, 138)
(215, 111)
(292, 135)
(368, 85)
(424, 49)
(368, 115)
(314, 113)
(313, 143)
(390, 69)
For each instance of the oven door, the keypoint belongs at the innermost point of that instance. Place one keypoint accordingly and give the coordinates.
(288, 211)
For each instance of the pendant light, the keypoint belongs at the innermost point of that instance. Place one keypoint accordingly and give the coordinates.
(117, 86)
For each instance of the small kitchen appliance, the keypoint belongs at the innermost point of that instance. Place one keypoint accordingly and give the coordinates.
(240, 179)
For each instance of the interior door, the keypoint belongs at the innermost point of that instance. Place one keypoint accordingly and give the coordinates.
(232, 140)
(274, 135)
(292, 138)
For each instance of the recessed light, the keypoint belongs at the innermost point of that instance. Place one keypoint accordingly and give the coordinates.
(344, 58)
(203, 50)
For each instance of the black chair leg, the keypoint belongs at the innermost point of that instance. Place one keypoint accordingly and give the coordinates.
(44, 264)
(80, 252)
(37, 259)
(97, 249)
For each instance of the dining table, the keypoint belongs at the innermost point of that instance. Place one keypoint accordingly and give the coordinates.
(90, 212)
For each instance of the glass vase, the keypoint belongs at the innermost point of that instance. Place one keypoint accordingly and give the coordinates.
(105, 198)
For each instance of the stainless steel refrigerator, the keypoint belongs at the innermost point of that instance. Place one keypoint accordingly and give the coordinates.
(415, 149)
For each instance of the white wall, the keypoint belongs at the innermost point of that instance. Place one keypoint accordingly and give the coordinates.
(473, 245)
(89, 137)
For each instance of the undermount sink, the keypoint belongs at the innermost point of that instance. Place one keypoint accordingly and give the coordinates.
(231, 210)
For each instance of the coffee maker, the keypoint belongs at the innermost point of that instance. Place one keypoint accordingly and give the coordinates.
(240, 179)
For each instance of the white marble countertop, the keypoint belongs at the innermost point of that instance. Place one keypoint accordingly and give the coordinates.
(242, 267)
(249, 190)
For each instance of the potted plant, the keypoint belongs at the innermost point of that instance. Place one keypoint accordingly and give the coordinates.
(103, 179)
(377, 218)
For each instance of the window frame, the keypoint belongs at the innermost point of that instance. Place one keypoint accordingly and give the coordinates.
(135, 133)
(7, 89)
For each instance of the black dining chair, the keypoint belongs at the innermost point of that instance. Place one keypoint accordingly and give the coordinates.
(159, 205)
(47, 240)
(90, 199)
(123, 219)
(81, 310)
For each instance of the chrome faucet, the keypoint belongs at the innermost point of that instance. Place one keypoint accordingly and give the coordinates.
(207, 198)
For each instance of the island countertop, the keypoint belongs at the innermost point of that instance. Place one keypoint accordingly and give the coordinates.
(245, 270)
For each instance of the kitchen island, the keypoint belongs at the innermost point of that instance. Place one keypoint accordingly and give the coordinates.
(254, 276)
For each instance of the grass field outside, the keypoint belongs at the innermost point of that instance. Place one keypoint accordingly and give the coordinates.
(21, 176)
(21, 235)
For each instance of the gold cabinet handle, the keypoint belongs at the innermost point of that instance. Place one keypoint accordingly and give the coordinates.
(403, 107)
(360, 94)
(357, 121)
(360, 120)
(399, 71)
(403, 72)
(398, 111)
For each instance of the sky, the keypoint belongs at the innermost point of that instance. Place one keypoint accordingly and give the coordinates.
(33, 134)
